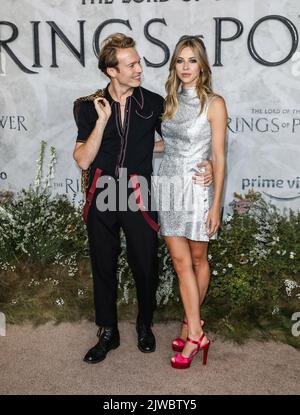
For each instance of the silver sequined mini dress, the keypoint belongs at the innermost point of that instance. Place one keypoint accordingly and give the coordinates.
(183, 205)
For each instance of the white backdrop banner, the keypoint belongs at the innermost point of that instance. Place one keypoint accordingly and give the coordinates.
(48, 58)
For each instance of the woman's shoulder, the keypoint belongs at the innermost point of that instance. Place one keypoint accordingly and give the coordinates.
(216, 99)
(215, 102)
(216, 107)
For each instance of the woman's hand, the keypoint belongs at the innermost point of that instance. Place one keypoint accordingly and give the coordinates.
(213, 221)
(103, 108)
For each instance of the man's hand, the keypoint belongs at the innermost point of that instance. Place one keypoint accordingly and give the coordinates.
(206, 178)
(103, 108)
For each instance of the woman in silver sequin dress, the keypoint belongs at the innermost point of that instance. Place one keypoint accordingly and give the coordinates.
(193, 130)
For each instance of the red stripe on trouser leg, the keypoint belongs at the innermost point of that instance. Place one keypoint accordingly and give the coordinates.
(139, 201)
(90, 195)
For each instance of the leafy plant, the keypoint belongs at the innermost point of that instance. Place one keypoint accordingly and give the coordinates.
(45, 271)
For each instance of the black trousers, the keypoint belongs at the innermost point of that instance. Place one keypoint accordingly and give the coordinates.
(142, 256)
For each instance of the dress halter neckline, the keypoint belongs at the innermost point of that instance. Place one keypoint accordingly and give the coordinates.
(192, 91)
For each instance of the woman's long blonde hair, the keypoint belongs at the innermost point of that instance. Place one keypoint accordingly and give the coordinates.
(204, 83)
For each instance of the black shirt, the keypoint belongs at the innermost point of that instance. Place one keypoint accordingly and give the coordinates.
(131, 145)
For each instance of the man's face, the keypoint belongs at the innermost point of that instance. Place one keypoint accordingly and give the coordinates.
(129, 66)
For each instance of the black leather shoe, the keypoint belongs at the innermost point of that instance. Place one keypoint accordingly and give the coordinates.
(109, 338)
(146, 339)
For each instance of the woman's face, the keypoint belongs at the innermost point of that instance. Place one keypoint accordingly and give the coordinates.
(187, 67)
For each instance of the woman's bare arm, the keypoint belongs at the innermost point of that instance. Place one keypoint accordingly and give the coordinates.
(217, 116)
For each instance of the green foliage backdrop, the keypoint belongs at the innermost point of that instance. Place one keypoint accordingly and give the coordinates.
(45, 269)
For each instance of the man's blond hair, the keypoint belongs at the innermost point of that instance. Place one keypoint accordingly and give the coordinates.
(110, 46)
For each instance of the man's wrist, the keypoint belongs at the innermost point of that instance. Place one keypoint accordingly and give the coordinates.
(101, 122)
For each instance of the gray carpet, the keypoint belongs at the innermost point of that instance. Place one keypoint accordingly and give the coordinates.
(48, 360)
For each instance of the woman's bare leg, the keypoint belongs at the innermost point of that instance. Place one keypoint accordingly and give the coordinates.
(202, 272)
(180, 253)
(201, 266)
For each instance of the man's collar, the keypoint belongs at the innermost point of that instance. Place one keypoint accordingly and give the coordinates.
(137, 95)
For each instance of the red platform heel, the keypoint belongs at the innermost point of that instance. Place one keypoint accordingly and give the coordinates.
(180, 362)
(178, 343)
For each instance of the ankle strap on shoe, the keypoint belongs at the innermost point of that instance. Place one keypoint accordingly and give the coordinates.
(196, 341)
(192, 341)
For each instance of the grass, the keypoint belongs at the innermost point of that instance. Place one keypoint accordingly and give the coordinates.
(37, 293)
